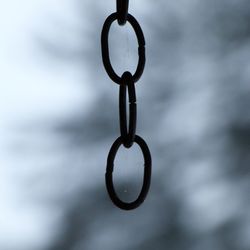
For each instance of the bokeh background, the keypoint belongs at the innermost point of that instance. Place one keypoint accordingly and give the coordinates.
(59, 117)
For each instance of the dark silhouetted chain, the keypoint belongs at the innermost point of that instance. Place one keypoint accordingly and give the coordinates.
(127, 84)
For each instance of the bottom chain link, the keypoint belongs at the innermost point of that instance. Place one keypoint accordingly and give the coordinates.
(146, 177)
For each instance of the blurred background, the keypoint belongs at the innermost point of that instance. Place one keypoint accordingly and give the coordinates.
(59, 117)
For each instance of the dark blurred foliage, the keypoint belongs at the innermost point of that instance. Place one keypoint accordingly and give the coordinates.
(193, 111)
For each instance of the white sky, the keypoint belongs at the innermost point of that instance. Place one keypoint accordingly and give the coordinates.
(29, 91)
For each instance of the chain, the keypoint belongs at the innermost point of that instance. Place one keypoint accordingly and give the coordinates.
(126, 84)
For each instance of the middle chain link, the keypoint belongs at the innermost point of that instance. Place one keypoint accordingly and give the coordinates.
(127, 135)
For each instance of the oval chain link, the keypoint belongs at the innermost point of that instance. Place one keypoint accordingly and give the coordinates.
(146, 176)
(105, 48)
(127, 135)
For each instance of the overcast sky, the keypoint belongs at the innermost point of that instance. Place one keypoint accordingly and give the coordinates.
(32, 90)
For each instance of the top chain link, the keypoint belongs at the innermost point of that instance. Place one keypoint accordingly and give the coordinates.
(105, 47)
(122, 11)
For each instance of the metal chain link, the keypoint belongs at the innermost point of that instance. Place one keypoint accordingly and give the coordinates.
(122, 11)
(105, 48)
(127, 135)
(126, 84)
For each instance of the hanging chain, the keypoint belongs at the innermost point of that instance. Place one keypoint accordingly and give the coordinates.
(126, 84)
